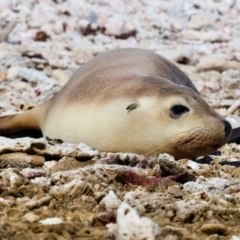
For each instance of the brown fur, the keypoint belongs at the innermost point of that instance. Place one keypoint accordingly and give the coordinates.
(101, 78)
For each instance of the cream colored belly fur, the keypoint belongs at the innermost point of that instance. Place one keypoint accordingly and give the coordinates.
(90, 123)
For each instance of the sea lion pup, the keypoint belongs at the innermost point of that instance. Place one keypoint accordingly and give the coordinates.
(128, 100)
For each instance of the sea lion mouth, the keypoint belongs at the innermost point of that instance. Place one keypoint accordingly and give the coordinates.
(196, 146)
(203, 146)
(202, 150)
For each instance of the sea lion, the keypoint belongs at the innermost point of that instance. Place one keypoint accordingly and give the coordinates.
(128, 100)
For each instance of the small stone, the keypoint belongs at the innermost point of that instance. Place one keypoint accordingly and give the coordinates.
(13, 72)
(49, 164)
(180, 54)
(214, 228)
(23, 158)
(32, 173)
(60, 75)
(218, 62)
(75, 188)
(111, 201)
(38, 203)
(14, 214)
(31, 217)
(170, 231)
(11, 178)
(201, 20)
(195, 187)
(67, 163)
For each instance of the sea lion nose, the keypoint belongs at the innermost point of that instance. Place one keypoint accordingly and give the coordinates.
(228, 128)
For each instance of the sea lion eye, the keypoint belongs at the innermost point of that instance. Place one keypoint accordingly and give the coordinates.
(179, 110)
(131, 106)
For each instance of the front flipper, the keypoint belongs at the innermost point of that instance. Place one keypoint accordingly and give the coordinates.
(17, 122)
(31, 119)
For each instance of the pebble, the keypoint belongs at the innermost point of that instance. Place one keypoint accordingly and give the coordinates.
(38, 203)
(31, 217)
(111, 201)
(213, 228)
(201, 20)
(73, 189)
(32, 173)
(60, 75)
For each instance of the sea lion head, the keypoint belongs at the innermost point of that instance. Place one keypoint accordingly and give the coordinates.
(179, 122)
(194, 128)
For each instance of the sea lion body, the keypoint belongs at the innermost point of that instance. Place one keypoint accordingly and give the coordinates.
(122, 100)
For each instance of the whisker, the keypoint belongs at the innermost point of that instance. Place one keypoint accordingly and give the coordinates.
(168, 145)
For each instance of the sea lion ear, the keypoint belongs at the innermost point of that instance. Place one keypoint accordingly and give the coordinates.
(131, 107)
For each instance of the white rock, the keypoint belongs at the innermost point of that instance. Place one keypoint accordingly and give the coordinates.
(195, 187)
(212, 62)
(86, 149)
(13, 72)
(213, 185)
(213, 36)
(26, 171)
(205, 36)
(224, 6)
(234, 237)
(201, 20)
(217, 183)
(133, 198)
(191, 164)
(60, 75)
(49, 164)
(111, 201)
(51, 221)
(43, 181)
(34, 203)
(185, 208)
(130, 226)
(177, 54)
(234, 107)
(112, 227)
(33, 76)
(11, 178)
(75, 188)
(31, 217)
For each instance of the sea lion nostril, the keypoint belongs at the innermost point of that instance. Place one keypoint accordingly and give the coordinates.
(228, 127)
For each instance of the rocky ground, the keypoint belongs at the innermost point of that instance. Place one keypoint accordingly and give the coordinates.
(55, 190)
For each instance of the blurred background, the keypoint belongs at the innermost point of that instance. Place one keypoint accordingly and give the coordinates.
(42, 42)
